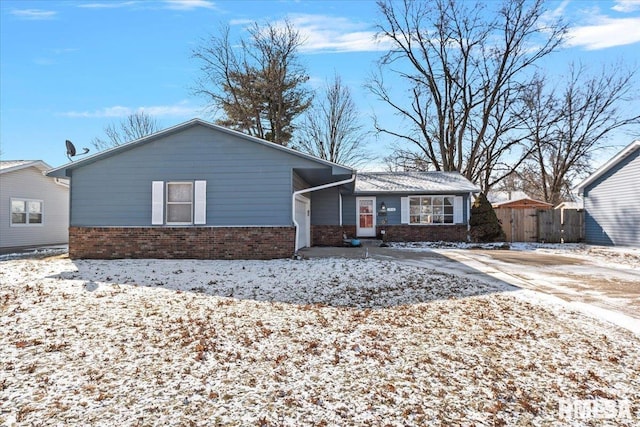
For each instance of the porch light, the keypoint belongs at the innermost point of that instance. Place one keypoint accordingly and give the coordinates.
(383, 208)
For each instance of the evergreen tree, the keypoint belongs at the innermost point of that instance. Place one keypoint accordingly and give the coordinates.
(485, 226)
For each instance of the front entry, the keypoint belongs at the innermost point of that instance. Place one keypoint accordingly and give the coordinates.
(366, 216)
(302, 214)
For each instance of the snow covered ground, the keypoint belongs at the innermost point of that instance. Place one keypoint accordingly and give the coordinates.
(315, 342)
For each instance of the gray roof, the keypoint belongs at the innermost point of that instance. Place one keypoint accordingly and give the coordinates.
(413, 182)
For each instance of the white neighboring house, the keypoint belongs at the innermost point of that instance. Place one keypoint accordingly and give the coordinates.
(34, 208)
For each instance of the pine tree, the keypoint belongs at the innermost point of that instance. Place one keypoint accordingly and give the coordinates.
(485, 226)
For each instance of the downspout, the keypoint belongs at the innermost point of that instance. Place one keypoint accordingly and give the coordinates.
(469, 216)
(309, 190)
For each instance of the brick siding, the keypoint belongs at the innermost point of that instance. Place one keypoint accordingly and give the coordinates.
(425, 233)
(330, 235)
(181, 242)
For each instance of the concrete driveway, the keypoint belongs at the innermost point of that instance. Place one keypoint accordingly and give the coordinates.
(609, 291)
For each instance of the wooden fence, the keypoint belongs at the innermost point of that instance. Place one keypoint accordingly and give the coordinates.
(542, 225)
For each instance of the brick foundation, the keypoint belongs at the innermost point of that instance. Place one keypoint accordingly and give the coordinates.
(181, 242)
(330, 235)
(425, 233)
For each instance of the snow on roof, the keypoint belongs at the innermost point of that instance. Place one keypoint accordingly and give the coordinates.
(11, 165)
(413, 182)
(505, 196)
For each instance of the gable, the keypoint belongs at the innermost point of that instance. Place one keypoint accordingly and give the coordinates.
(210, 137)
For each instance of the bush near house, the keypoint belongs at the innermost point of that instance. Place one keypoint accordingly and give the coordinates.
(485, 226)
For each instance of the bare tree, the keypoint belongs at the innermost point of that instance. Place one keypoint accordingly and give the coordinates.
(331, 129)
(258, 84)
(134, 126)
(568, 125)
(463, 69)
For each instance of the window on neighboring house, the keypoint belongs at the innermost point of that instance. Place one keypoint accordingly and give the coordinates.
(431, 209)
(179, 202)
(26, 212)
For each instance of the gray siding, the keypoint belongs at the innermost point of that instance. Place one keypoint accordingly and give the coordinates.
(325, 207)
(247, 183)
(612, 205)
(298, 182)
(390, 201)
(29, 183)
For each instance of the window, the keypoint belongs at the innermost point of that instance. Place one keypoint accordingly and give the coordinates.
(179, 202)
(431, 209)
(26, 212)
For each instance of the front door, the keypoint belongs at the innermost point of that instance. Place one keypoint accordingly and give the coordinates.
(366, 215)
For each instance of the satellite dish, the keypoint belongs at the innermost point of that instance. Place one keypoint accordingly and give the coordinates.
(71, 150)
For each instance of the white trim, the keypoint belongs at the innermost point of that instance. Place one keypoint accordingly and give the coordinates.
(408, 209)
(309, 190)
(340, 208)
(307, 215)
(200, 202)
(26, 212)
(629, 149)
(458, 217)
(167, 202)
(404, 210)
(359, 230)
(157, 203)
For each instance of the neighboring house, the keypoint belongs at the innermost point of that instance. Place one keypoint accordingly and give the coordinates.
(515, 200)
(34, 208)
(577, 205)
(198, 190)
(611, 198)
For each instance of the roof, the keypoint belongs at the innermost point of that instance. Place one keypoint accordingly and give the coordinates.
(14, 165)
(413, 182)
(571, 205)
(627, 151)
(501, 196)
(525, 202)
(61, 171)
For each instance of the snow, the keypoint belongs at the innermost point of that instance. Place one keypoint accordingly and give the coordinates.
(314, 342)
(432, 181)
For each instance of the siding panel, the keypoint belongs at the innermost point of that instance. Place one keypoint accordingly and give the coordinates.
(612, 205)
(247, 183)
(29, 183)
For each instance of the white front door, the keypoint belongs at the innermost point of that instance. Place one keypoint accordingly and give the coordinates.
(366, 216)
(303, 212)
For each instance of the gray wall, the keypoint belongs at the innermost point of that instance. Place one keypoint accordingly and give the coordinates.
(247, 183)
(390, 201)
(612, 205)
(29, 183)
(325, 207)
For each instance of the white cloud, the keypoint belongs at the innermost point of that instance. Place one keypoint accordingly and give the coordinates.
(323, 33)
(34, 14)
(109, 5)
(189, 4)
(605, 32)
(626, 5)
(181, 109)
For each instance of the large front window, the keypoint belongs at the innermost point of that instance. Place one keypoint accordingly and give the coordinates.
(179, 202)
(431, 210)
(26, 212)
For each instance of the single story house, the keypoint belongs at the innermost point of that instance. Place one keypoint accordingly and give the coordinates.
(611, 198)
(34, 208)
(198, 190)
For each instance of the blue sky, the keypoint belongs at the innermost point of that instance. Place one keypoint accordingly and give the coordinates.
(70, 68)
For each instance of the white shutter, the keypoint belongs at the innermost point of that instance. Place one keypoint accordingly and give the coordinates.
(458, 210)
(157, 202)
(200, 203)
(404, 210)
